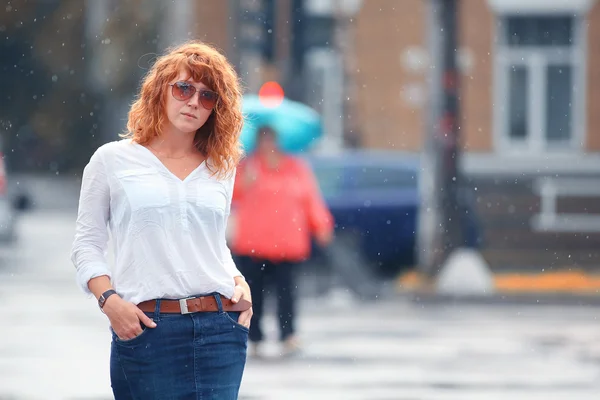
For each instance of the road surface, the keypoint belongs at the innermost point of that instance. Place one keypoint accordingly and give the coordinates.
(54, 342)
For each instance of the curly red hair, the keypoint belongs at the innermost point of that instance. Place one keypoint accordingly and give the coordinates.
(218, 138)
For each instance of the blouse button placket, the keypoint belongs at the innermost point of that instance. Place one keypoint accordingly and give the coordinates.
(183, 207)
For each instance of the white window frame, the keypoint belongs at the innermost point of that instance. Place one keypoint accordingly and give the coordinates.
(537, 59)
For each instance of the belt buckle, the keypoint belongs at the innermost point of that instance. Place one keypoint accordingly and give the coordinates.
(183, 305)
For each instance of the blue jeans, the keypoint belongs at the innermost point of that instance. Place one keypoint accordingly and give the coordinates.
(191, 356)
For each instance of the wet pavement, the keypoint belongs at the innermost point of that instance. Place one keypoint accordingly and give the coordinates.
(54, 342)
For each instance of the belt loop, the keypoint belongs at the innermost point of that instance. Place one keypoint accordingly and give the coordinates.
(157, 310)
(217, 297)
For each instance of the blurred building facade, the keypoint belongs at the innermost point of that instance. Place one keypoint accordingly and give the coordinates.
(530, 87)
(529, 80)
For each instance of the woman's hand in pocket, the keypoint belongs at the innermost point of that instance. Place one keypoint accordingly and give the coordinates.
(125, 318)
(242, 292)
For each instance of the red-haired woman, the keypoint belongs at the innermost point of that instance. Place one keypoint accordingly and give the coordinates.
(178, 307)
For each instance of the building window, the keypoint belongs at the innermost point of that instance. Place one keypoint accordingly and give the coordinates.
(539, 83)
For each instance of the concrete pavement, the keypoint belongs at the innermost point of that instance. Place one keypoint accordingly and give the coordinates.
(54, 343)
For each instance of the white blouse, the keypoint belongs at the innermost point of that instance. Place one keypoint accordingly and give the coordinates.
(167, 234)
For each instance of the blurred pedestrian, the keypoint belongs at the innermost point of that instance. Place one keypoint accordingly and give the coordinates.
(178, 307)
(278, 207)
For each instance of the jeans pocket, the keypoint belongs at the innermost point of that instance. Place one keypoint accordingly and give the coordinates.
(134, 340)
(233, 317)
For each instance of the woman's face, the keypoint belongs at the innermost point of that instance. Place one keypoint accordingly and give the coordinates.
(188, 103)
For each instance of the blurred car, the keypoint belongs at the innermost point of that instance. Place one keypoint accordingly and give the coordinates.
(374, 198)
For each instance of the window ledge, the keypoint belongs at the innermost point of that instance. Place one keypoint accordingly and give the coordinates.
(541, 6)
(543, 164)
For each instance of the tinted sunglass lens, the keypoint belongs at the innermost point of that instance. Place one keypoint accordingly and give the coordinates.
(208, 99)
(183, 91)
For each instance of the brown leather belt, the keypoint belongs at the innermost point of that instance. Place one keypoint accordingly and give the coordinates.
(193, 305)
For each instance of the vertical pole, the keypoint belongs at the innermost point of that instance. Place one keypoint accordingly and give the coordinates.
(429, 230)
(440, 220)
(449, 129)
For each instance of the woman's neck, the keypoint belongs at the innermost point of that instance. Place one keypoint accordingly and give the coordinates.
(174, 143)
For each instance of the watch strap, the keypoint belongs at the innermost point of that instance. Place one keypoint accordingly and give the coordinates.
(104, 296)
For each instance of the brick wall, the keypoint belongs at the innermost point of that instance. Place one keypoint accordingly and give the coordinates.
(593, 80)
(212, 23)
(392, 116)
(385, 30)
(476, 35)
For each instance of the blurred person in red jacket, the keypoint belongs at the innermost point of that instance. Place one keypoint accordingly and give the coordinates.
(278, 208)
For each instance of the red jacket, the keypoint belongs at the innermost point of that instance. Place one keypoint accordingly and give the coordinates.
(275, 211)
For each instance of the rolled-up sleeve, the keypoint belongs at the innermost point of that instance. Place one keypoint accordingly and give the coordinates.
(230, 266)
(89, 249)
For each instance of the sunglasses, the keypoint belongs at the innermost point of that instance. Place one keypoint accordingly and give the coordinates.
(183, 91)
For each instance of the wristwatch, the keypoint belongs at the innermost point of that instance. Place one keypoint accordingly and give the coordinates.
(104, 296)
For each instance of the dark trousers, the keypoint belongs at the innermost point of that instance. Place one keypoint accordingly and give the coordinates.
(259, 273)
